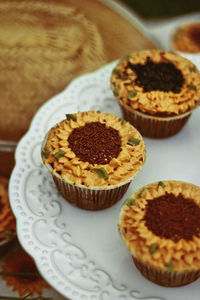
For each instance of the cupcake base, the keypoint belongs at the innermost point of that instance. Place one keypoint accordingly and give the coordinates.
(155, 127)
(90, 198)
(165, 278)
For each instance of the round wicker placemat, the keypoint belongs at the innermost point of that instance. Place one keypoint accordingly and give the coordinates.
(42, 47)
(44, 44)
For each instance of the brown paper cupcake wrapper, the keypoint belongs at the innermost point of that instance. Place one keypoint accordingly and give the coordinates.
(90, 198)
(155, 127)
(165, 278)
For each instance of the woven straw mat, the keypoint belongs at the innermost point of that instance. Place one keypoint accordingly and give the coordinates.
(42, 48)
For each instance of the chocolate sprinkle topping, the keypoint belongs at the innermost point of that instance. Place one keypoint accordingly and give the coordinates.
(163, 76)
(173, 217)
(95, 143)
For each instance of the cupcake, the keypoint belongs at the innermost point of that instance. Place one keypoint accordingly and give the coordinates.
(157, 91)
(7, 219)
(160, 225)
(186, 38)
(93, 157)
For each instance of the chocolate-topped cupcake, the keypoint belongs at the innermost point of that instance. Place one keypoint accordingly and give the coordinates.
(93, 157)
(186, 38)
(157, 91)
(160, 225)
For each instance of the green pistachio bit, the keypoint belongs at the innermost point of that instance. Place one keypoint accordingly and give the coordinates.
(160, 183)
(7, 233)
(170, 266)
(116, 92)
(153, 248)
(59, 154)
(71, 117)
(192, 68)
(101, 172)
(45, 153)
(191, 86)
(129, 201)
(98, 111)
(139, 193)
(127, 57)
(122, 121)
(133, 141)
(116, 72)
(132, 94)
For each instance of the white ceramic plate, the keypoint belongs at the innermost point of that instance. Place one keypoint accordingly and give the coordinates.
(80, 253)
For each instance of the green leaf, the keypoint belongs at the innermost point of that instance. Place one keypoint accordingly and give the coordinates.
(71, 117)
(116, 92)
(160, 183)
(192, 68)
(116, 72)
(153, 248)
(122, 121)
(170, 266)
(133, 141)
(45, 153)
(59, 154)
(127, 57)
(191, 86)
(101, 172)
(129, 201)
(139, 193)
(132, 94)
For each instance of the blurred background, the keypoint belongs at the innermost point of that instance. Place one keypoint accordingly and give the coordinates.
(159, 9)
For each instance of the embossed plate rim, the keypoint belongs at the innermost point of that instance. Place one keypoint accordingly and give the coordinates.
(28, 170)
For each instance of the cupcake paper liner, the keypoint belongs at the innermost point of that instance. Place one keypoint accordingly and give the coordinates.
(165, 278)
(152, 126)
(90, 198)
